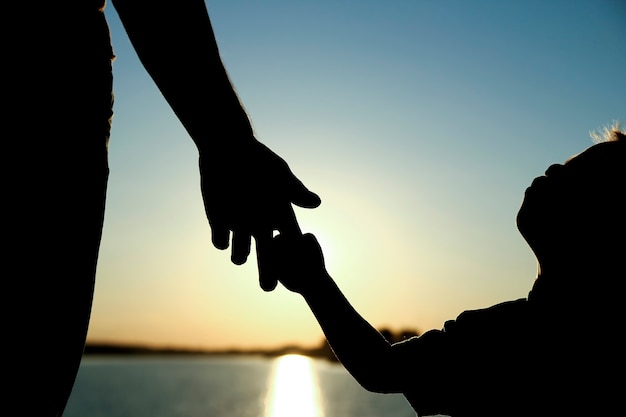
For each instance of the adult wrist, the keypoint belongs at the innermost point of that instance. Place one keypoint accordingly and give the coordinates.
(223, 141)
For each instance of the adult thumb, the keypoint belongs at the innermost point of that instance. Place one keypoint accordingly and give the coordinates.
(303, 197)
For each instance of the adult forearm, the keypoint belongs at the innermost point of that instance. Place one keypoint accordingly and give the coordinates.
(175, 42)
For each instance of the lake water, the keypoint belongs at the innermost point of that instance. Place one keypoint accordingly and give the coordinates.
(236, 386)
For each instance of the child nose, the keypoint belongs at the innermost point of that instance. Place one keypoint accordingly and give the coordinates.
(554, 170)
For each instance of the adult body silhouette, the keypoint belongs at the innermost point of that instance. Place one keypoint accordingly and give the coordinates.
(58, 72)
(555, 352)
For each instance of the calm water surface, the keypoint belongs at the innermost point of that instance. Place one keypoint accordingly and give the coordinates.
(288, 386)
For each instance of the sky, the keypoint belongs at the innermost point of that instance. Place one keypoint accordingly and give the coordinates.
(419, 123)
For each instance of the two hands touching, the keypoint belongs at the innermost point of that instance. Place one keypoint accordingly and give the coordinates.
(248, 193)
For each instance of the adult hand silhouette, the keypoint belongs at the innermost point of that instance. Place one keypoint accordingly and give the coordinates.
(248, 191)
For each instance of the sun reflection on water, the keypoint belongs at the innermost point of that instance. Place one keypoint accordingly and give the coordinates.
(293, 390)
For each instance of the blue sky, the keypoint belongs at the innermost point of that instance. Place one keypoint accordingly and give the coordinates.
(419, 123)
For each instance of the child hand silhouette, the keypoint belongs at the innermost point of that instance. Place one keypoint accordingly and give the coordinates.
(299, 263)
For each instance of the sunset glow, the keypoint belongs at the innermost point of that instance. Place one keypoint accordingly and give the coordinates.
(418, 123)
(293, 390)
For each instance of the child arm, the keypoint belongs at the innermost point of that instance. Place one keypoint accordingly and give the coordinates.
(358, 346)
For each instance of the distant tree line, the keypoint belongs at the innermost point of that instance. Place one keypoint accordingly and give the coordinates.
(324, 350)
(321, 351)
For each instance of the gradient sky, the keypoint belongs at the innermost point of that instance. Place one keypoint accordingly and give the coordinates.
(419, 123)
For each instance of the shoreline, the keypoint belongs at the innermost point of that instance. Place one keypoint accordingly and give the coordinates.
(108, 348)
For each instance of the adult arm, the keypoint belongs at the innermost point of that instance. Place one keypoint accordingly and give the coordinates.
(247, 189)
(174, 41)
